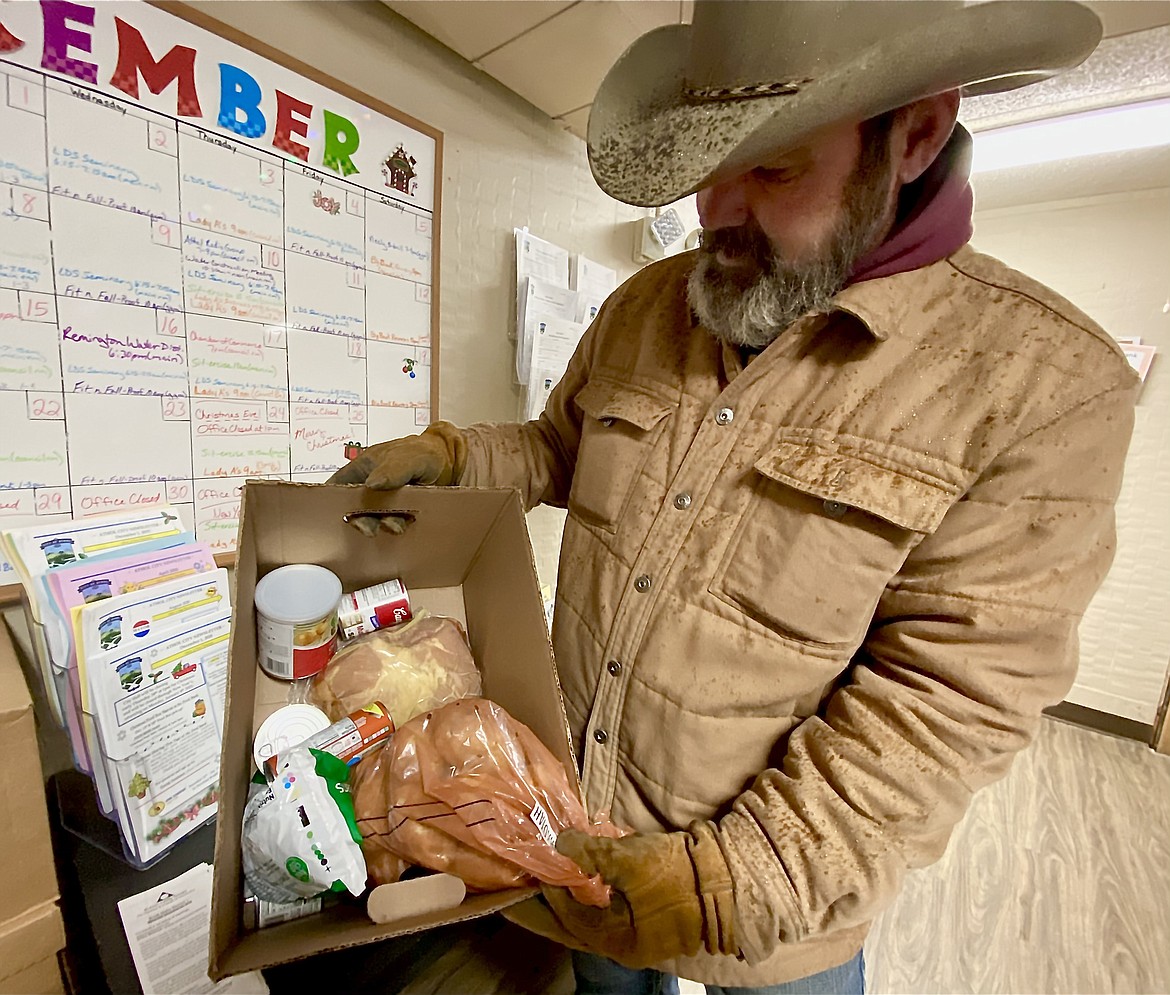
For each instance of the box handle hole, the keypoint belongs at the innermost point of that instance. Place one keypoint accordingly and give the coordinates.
(370, 523)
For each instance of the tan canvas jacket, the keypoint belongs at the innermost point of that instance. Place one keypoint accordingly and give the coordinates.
(823, 598)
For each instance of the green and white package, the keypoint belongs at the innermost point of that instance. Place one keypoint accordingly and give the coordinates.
(300, 837)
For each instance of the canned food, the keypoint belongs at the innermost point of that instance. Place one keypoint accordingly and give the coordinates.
(296, 620)
(347, 739)
(259, 913)
(287, 726)
(375, 607)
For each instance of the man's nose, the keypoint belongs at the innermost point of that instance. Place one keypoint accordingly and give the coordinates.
(724, 205)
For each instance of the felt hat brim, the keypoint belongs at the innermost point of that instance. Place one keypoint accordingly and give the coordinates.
(650, 143)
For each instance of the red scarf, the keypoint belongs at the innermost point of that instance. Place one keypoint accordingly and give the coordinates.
(938, 222)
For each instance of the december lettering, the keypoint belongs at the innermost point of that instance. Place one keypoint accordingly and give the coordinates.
(244, 107)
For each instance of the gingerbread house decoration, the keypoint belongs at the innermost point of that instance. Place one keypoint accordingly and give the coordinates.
(398, 169)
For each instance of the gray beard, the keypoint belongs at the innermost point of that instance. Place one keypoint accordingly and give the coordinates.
(752, 305)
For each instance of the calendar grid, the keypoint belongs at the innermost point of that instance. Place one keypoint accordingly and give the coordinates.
(181, 310)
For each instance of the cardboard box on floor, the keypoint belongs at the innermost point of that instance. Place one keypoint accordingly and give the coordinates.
(31, 932)
(466, 553)
(28, 951)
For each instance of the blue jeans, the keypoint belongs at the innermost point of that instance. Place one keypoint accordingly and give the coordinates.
(601, 976)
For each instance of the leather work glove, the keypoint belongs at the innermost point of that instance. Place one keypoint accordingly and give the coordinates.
(438, 456)
(672, 896)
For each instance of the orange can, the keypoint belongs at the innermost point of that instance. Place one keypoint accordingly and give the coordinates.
(348, 739)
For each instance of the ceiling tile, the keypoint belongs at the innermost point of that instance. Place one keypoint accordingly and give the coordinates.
(559, 65)
(1124, 69)
(475, 27)
(575, 121)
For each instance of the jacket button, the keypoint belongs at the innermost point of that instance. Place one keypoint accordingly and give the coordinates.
(724, 416)
(614, 667)
(682, 501)
(607, 422)
(642, 584)
(835, 509)
(600, 735)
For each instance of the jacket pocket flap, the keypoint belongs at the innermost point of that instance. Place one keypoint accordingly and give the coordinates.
(909, 500)
(602, 399)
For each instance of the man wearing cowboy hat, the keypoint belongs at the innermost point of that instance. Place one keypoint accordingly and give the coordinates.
(839, 487)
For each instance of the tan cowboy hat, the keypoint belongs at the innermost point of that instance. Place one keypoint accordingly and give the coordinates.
(688, 105)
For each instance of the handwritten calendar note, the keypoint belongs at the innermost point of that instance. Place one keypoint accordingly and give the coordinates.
(211, 267)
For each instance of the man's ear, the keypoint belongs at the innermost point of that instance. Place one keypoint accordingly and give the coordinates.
(920, 132)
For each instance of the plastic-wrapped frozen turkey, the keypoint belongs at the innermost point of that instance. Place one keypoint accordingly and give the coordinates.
(473, 792)
(370, 809)
(410, 668)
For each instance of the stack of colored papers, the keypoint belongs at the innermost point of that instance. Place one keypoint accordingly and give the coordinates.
(130, 620)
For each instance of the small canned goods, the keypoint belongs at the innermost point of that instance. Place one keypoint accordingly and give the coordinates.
(296, 620)
(375, 607)
(287, 726)
(347, 739)
(258, 913)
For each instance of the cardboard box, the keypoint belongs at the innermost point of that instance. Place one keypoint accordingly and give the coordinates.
(30, 877)
(43, 978)
(28, 951)
(467, 553)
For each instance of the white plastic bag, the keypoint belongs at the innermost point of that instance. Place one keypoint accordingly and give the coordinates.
(299, 836)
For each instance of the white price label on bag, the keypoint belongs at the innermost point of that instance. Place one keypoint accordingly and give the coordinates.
(540, 819)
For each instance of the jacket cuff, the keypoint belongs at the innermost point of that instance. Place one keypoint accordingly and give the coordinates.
(452, 437)
(716, 890)
(766, 909)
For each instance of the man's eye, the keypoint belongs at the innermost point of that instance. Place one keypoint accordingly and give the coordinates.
(765, 175)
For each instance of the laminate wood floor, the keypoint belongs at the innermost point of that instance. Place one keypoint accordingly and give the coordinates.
(1057, 881)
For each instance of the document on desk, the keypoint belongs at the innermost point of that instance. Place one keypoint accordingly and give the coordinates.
(168, 928)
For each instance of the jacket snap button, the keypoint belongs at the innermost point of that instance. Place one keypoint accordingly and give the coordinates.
(724, 416)
(682, 501)
(614, 667)
(600, 735)
(607, 422)
(642, 583)
(835, 509)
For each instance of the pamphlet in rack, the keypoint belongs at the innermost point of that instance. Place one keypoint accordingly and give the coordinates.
(130, 621)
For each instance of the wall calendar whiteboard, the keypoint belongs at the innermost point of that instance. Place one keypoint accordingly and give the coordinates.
(215, 263)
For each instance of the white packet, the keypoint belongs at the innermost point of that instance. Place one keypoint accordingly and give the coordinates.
(300, 838)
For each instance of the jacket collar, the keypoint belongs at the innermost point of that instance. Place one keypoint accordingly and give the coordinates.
(872, 307)
(881, 306)
(878, 308)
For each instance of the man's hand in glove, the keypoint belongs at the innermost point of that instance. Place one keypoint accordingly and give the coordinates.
(438, 456)
(672, 896)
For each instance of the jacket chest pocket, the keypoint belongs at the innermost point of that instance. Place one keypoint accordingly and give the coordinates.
(619, 430)
(822, 536)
